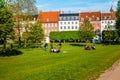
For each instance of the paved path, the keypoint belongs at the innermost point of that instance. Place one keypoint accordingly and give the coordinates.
(112, 73)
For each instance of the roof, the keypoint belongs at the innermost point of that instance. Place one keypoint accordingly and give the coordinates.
(92, 16)
(108, 16)
(51, 16)
(69, 14)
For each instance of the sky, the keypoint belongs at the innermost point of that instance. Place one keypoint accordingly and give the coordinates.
(76, 5)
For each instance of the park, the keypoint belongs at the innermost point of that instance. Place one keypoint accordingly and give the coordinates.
(72, 63)
(54, 45)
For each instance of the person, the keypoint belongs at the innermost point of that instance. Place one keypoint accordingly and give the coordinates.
(45, 46)
(51, 45)
(93, 47)
(60, 45)
(86, 47)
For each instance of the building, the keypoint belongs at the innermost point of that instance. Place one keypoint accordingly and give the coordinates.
(23, 24)
(108, 20)
(68, 22)
(56, 21)
(49, 22)
(93, 17)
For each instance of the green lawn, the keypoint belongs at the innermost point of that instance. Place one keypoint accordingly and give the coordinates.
(72, 63)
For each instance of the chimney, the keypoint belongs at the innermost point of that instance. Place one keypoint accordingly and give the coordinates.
(79, 11)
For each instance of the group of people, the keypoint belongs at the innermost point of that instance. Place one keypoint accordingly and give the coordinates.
(86, 47)
(52, 48)
(55, 49)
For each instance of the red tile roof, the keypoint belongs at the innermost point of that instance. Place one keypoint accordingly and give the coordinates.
(94, 16)
(108, 16)
(50, 17)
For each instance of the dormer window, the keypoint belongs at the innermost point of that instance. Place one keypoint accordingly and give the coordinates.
(47, 20)
(72, 17)
(109, 17)
(105, 17)
(86, 16)
(64, 18)
(60, 18)
(97, 18)
(68, 17)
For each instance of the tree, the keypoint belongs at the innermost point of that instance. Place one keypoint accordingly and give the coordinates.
(6, 22)
(109, 34)
(22, 11)
(37, 32)
(118, 18)
(86, 31)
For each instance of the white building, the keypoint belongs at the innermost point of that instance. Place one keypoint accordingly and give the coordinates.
(68, 22)
(108, 21)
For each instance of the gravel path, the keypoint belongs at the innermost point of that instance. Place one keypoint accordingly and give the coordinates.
(113, 73)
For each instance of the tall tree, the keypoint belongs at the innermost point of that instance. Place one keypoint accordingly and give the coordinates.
(6, 22)
(109, 34)
(37, 33)
(23, 11)
(118, 18)
(86, 31)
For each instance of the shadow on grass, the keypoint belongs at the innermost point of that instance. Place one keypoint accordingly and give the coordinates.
(10, 52)
(79, 45)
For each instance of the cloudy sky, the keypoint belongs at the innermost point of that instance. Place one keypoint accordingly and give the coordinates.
(76, 5)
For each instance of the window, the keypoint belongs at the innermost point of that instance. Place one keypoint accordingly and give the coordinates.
(64, 27)
(105, 17)
(68, 22)
(76, 27)
(109, 17)
(72, 27)
(64, 18)
(76, 17)
(72, 22)
(47, 20)
(97, 18)
(111, 21)
(61, 27)
(64, 22)
(68, 27)
(68, 17)
(72, 17)
(75, 22)
(105, 22)
(102, 21)
(60, 18)
(60, 22)
(48, 25)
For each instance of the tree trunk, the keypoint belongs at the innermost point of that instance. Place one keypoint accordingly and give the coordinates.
(25, 43)
(4, 43)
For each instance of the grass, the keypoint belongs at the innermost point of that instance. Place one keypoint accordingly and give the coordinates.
(72, 63)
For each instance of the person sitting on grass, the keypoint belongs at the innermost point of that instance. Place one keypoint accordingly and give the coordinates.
(93, 47)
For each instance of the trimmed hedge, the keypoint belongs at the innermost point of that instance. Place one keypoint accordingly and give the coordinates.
(64, 35)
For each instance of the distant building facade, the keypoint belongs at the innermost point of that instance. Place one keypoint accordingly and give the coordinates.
(68, 22)
(93, 17)
(49, 21)
(108, 21)
(56, 21)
